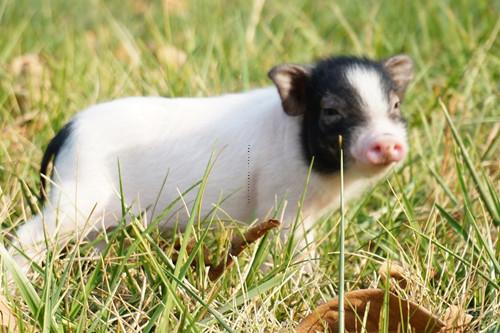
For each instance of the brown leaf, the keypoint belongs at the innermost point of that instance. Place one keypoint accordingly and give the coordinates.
(140, 6)
(457, 321)
(238, 244)
(171, 56)
(7, 319)
(395, 271)
(175, 6)
(189, 249)
(27, 65)
(369, 303)
(30, 79)
(128, 53)
(91, 39)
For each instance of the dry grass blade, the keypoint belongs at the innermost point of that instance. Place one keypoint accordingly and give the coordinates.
(362, 314)
(7, 319)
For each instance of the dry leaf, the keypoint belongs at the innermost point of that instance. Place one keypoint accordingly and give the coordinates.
(140, 6)
(27, 64)
(457, 321)
(7, 319)
(395, 271)
(128, 53)
(91, 39)
(368, 304)
(238, 244)
(175, 6)
(453, 103)
(189, 250)
(30, 78)
(171, 56)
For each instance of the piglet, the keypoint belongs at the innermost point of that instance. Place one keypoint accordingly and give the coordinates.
(261, 144)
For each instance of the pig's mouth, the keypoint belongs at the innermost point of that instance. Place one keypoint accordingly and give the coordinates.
(369, 171)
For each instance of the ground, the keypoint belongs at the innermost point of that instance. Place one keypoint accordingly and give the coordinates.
(437, 216)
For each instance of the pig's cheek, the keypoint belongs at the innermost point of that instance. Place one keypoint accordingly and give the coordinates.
(356, 151)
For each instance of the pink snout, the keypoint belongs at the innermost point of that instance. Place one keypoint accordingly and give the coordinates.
(384, 150)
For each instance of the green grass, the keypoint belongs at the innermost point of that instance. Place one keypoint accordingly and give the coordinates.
(438, 215)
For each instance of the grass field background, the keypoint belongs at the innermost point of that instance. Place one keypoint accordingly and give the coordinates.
(437, 216)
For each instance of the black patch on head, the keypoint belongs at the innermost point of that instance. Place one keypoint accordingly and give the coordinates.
(334, 109)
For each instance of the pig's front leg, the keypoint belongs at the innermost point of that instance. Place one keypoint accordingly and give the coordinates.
(304, 243)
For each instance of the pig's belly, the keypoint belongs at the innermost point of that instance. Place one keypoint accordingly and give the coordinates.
(225, 194)
(237, 201)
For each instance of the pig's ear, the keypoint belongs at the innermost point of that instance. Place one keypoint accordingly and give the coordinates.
(291, 81)
(400, 69)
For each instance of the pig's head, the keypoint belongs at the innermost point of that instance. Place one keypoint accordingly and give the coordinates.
(356, 98)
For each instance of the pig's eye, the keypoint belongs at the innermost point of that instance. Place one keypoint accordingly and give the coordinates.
(332, 114)
(396, 105)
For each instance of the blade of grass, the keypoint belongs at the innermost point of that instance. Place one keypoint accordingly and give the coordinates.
(456, 256)
(492, 209)
(178, 282)
(28, 292)
(341, 241)
(179, 271)
(263, 287)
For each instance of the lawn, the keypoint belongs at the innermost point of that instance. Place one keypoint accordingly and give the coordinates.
(438, 215)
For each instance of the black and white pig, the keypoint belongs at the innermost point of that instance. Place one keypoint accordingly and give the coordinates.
(264, 141)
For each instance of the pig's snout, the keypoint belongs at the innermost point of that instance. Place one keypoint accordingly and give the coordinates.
(384, 150)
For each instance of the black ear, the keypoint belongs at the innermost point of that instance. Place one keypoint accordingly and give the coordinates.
(291, 81)
(400, 69)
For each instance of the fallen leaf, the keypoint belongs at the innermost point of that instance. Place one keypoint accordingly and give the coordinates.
(30, 79)
(7, 319)
(394, 271)
(175, 6)
(238, 244)
(91, 39)
(128, 53)
(457, 321)
(362, 314)
(140, 6)
(189, 250)
(27, 64)
(171, 56)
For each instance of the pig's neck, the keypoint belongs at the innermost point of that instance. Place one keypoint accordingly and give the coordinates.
(323, 194)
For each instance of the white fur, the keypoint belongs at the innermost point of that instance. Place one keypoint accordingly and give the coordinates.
(368, 85)
(152, 138)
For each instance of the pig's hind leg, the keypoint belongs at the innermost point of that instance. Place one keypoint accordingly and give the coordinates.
(29, 242)
(61, 220)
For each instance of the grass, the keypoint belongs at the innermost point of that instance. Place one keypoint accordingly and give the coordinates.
(438, 215)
